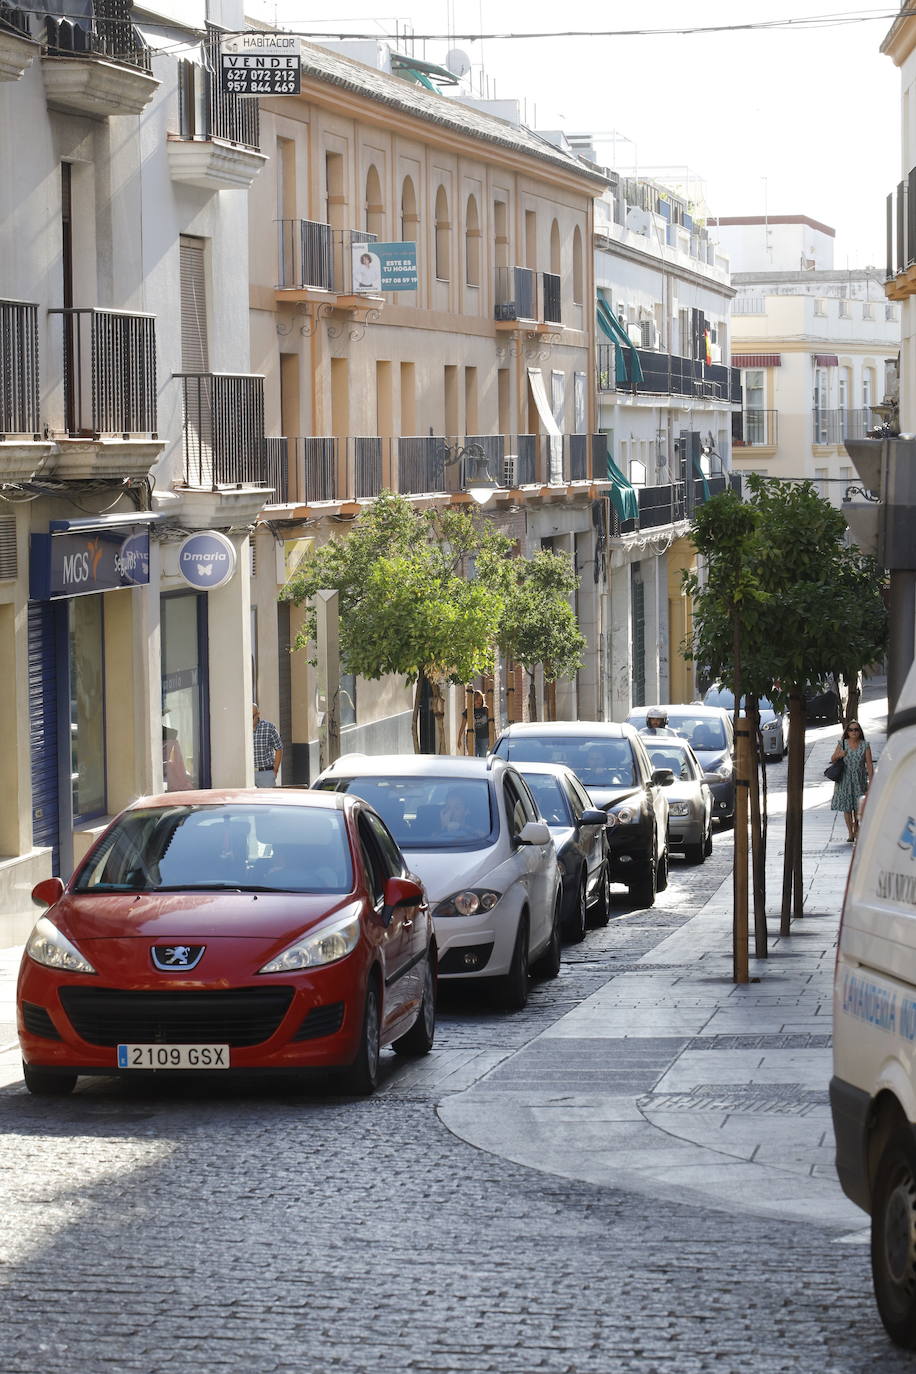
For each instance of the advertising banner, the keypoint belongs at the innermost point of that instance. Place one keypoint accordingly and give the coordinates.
(71, 563)
(379, 267)
(260, 64)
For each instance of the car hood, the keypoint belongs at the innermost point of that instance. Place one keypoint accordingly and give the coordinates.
(445, 871)
(711, 759)
(683, 791)
(204, 915)
(610, 796)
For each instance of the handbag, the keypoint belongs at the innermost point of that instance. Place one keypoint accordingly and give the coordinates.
(834, 771)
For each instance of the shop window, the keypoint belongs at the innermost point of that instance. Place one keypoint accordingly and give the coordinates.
(184, 734)
(87, 707)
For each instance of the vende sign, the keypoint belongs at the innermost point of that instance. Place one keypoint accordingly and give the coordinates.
(260, 64)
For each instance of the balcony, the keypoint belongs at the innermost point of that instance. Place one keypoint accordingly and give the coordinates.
(323, 468)
(17, 50)
(21, 448)
(225, 450)
(526, 297)
(755, 428)
(312, 256)
(831, 427)
(96, 66)
(666, 374)
(217, 144)
(663, 505)
(109, 422)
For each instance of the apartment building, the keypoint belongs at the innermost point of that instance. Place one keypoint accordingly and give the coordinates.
(131, 428)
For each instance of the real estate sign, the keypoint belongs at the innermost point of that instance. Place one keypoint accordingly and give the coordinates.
(260, 64)
(384, 267)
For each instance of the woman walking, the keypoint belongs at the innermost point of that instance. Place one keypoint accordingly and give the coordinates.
(858, 772)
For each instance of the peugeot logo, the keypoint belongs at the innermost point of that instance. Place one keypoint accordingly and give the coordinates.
(169, 957)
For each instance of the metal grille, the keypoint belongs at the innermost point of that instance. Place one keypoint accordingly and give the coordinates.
(37, 1022)
(515, 293)
(276, 468)
(313, 255)
(836, 426)
(18, 368)
(9, 563)
(321, 1021)
(754, 427)
(244, 1016)
(223, 429)
(662, 505)
(107, 33)
(109, 372)
(550, 289)
(420, 466)
(368, 459)
(638, 637)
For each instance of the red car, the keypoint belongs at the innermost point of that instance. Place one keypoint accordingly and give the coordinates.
(230, 931)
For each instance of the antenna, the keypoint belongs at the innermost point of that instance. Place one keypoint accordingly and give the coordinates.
(457, 62)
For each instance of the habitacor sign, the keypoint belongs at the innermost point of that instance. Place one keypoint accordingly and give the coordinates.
(260, 64)
(206, 560)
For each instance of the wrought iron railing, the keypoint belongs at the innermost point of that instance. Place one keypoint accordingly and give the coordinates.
(662, 505)
(836, 426)
(606, 367)
(276, 468)
(421, 465)
(577, 451)
(754, 428)
(901, 226)
(13, 19)
(110, 35)
(204, 111)
(516, 293)
(109, 368)
(311, 254)
(19, 404)
(550, 298)
(223, 424)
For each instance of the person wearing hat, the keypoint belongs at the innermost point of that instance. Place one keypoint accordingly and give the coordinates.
(656, 722)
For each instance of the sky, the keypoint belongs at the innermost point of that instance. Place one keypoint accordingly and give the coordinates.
(778, 121)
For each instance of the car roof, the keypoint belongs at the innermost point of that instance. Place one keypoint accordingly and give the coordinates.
(410, 766)
(557, 769)
(566, 728)
(258, 796)
(682, 708)
(667, 742)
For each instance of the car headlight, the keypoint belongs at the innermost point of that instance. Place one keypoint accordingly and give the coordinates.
(49, 946)
(679, 808)
(319, 947)
(468, 902)
(720, 771)
(623, 815)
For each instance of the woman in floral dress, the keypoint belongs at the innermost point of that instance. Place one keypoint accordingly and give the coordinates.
(857, 775)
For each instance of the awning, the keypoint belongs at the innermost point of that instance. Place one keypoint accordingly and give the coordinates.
(623, 496)
(539, 392)
(627, 365)
(756, 360)
(169, 41)
(826, 360)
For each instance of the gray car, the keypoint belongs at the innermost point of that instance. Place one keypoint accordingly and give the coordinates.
(710, 733)
(579, 831)
(689, 798)
(774, 725)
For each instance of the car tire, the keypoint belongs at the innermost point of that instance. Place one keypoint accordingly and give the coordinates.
(600, 913)
(513, 986)
(642, 889)
(547, 965)
(48, 1082)
(361, 1078)
(575, 927)
(419, 1039)
(893, 1238)
(661, 872)
(696, 853)
(707, 847)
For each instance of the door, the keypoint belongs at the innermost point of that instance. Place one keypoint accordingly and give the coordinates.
(401, 968)
(44, 735)
(591, 837)
(533, 860)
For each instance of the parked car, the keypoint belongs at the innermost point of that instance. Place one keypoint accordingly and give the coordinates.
(471, 829)
(822, 704)
(689, 798)
(613, 766)
(774, 724)
(710, 733)
(579, 831)
(873, 1089)
(229, 931)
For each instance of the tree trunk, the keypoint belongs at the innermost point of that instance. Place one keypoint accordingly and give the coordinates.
(792, 873)
(415, 719)
(757, 864)
(852, 699)
(437, 701)
(532, 695)
(739, 874)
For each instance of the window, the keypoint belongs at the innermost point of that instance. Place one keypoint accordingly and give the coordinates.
(501, 232)
(867, 392)
(374, 208)
(844, 309)
(87, 700)
(409, 217)
(868, 311)
(578, 282)
(472, 243)
(443, 234)
(555, 248)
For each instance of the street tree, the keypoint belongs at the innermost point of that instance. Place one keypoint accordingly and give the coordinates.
(420, 597)
(538, 624)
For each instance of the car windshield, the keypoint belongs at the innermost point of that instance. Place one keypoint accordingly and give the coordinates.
(596, 762)
(427, 812)
(263, 848)
(550, 797)
(704, 733)
(675, 759)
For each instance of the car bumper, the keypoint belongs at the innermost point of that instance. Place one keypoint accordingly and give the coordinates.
(723, 799)
(320, 1027)
(684, 830)
(773, 747)
(850, 1109)
(476, 946)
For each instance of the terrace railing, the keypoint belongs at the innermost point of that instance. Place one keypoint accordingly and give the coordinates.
(109, 367)
(19, 402)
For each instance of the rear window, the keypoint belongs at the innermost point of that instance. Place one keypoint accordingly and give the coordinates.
(428, 812)
(552, 801)
(597, 762)
(675, 759)
(701, 732)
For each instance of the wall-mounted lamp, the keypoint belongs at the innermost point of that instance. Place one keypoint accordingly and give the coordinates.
(475, 476)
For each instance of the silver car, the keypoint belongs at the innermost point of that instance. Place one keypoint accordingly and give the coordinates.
(471, 831)
(774, 725)
(689, 797)
(579, 831)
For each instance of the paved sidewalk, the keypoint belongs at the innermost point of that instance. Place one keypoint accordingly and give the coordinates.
(673, 1081)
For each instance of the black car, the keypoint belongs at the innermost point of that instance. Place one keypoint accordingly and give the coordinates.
(579, 831)
(611, 763)
(822, 704)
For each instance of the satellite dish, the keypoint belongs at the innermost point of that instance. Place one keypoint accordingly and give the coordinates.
(639, 221)
(457, 62)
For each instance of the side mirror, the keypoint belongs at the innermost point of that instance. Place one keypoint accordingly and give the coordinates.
(401, 892)
(47, 892)
(534, 832)
(663, 776)
(593, 816)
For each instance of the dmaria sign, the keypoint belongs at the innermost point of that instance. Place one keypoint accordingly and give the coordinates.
(206, 560)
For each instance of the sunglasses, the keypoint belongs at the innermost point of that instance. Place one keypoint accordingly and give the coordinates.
(854, 730)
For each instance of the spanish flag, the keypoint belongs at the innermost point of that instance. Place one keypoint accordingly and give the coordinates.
(708, 342)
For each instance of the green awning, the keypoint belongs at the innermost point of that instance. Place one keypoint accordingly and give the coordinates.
(622, 494)
(627, 364)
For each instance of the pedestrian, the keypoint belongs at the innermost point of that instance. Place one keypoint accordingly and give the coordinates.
(268, 749)
(481, 727)
(858, 771)
(174, 773)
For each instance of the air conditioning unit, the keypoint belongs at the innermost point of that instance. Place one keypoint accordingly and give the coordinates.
(510, 471)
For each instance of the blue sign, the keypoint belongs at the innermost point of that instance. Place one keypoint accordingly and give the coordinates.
(206, 560)
(381, 267)
(78, 563)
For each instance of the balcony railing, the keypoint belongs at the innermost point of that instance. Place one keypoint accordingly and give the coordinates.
(18, 369)
(205, 112)
(516, 293)
(313, 255)
(109, 367)
(668, 374)
(754, 428)
(96, 36)
(14, 19)
(662, 505)
(421, 465)
(550, 298)
(836, 426)
(901, 226)
(276, 468)
(223, 423)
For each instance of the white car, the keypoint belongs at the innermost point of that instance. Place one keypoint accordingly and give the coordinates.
(470, 829)
(774, 724)
(689, 797)
(873, 1088)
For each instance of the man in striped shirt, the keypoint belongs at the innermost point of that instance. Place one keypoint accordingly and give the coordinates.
(268, 750)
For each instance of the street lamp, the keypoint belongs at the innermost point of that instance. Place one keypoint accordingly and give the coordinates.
(474, 475)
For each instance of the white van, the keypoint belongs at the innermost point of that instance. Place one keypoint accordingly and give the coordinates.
(873, 1089)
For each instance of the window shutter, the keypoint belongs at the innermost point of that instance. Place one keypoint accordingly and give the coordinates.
(195, 355)
(8, 560)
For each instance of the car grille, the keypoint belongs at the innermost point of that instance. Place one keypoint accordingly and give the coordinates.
(242, 1016)
(321, 1021)
(37, 1022)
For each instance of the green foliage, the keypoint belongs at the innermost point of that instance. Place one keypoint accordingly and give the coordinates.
(538, 623)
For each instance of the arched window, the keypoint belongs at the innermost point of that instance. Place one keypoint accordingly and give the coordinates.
(555, 248)
(443, 236)
(410, 220)
(472, 242)
(375, 210)
(578, 274)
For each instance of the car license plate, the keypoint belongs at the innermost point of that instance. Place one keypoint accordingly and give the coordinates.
(173, 1056)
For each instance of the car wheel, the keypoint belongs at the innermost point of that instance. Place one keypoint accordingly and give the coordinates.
(661, 872)
(361, 1078)
(48, 1082)
(893, 1238)
(601, 912)
(419, 1039)
(577, 924)
(547, 964)
(642, 889)
(707, 847)
(513, 988)
(696, 853)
